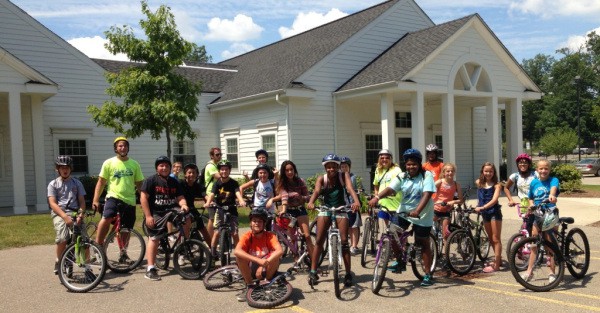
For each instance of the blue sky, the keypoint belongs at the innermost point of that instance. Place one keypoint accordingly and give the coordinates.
(232, 27)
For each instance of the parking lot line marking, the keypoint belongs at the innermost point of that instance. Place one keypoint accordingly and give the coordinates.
(293, 308)
(520, 295)
(576, 294)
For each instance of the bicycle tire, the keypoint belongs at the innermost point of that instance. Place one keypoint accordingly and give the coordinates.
(313, 235)
(416, 261)
(539, 281)
(283, 244)
(381, 260)
(265, 296)
(75, 277)
(367, 242)
(576, 265)
(134, 252)
(335, 264)
(144, 227)
(192, 259)
(522, 254)
(222, 277)
(514, 238)
(460, 252)
(163, 254)
(482, 242)
(224, 247)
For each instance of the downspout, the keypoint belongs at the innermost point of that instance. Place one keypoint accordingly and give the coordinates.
(334, 124)
(287, 123)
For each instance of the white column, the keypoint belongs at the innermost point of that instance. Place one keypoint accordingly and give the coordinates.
(16, 152)
(514, 113)
(448, 128)
(417, 102)
(39, 153)
(492, 132)
(388, 125)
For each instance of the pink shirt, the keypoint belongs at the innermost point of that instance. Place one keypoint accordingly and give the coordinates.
(445, 193)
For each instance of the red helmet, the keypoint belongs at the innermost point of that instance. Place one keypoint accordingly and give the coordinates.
(283, 222)
(523, 156)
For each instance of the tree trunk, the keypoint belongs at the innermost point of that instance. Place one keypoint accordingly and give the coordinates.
(168, 135)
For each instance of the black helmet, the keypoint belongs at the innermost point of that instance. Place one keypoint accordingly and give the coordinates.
(224, 163)
(64, 160)
(190, 166)
(162, 159)
(346, 160)
(261, 151)
(412, 154)
(263, 166)
(260, 213)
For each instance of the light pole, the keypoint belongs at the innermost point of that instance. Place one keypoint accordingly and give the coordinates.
(577, 81)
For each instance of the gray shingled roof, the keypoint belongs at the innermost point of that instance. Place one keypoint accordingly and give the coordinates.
(277, 65)
(213, 76)
(405, 54)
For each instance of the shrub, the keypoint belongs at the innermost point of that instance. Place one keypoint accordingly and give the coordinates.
(89, 184)
(569, 177)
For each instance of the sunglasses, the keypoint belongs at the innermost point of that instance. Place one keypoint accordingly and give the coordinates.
(217, 154)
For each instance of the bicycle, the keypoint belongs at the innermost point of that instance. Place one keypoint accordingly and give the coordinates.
(404, 251)
(570, 249)
(225, 243)
(440, 234)
(191, 257)
(523, 232)
(370, 235)
(261, 294)
(82, 257)
(120, 244)
(293, 241)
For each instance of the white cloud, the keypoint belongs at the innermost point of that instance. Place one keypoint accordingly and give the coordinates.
(236, 49)
(550, 8)
(306, 21)
(93, 47)
(575, 42)
(242, 28)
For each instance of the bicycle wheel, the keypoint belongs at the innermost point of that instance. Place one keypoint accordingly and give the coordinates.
(482, 242)
(163, 254)
(283, 244)
(522, 254)
(224, 247)
(416, 260)
(368, 242)
(460, 252)
(82, 268)
(539, 279)
(381, 262)
(268, 295)
(125, 251)
(144, 227)
(577, 252)
(514, 238)
(313, 236)
(335, 264)
(223, 277)
(192, 259)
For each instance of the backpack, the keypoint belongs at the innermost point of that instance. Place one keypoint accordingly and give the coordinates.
(201, 179)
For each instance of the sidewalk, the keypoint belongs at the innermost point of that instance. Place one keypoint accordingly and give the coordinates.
(585, 211)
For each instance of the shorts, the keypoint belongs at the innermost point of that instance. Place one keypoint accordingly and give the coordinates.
(419, 231)
(254, 267)
(233, 222)
(495, 214)
(63, 233)
(160, 223)
(384, 214)
(328, 214)
(211, 213)
(114, 205)
(199, 222)
(442, 215)
(297, 211)
(354, 220)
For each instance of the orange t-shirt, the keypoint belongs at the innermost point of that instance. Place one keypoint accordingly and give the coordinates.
(445, 193)
(258, 247)
(435, 168)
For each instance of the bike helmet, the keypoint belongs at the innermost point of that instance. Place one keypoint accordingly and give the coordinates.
(120, 139)
(283, 222)
(346, 160)
(331, 158)
(162, 159)
(64, 160)
(263, 167)
(412, 154)
(261, 151)
(224, 163)
(260, 213)
(191, 166)
(385, 151)
(550, 219)
(431, 148)
(523, 156)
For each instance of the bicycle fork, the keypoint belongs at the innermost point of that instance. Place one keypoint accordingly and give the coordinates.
(339, 243)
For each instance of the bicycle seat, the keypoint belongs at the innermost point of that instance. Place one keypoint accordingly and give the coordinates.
(566, 220)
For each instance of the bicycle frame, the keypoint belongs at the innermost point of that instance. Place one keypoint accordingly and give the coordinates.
(398, 238)
(291, 239)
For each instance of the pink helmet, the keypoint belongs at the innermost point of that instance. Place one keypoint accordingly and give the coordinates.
(523, 156)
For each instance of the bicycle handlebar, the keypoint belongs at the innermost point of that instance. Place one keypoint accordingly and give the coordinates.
(343, 209)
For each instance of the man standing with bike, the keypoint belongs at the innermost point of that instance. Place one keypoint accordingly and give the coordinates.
(123, 175)
(160, 193)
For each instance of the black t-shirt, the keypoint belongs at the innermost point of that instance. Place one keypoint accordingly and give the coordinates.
(255, 173)
(225, 193)
(190, 192)
(162, 192)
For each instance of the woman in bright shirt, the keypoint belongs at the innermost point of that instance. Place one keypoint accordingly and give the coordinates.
(385, 172)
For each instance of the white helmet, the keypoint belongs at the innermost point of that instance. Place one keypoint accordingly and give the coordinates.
(550, 219)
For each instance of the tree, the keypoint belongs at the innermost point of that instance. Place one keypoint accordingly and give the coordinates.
(154, 97)
(539, 69)
(560, 142)
(198, 54)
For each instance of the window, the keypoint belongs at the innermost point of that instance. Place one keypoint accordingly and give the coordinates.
(438, 142)
(232, 153)
(372, 146)
(184, 152)
(403, 120)
(268, 143)
(77, 149)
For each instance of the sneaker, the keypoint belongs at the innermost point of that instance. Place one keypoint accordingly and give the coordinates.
(527, 277)
(152, 274)
(89, 275)
(354, 250)
(348, 280)
(551, 278)
(394, 266)
(426, 281)
(56, 268)
(241, 297)
(313, 278)
(124, 259)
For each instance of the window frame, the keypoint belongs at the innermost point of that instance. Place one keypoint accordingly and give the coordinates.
(181, 157)
(272, 160)
(235, 166)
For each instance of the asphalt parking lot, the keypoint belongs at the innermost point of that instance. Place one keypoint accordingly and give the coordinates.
(28, 285)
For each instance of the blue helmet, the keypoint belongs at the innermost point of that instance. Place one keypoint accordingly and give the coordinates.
(412, 154)
(331, 158)
(346, 160)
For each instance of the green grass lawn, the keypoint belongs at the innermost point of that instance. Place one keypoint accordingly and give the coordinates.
(36, 229)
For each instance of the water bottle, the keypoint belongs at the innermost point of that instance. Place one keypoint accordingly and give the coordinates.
(292, 222)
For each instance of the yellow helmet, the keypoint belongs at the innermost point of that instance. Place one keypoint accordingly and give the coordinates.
(120, 139)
